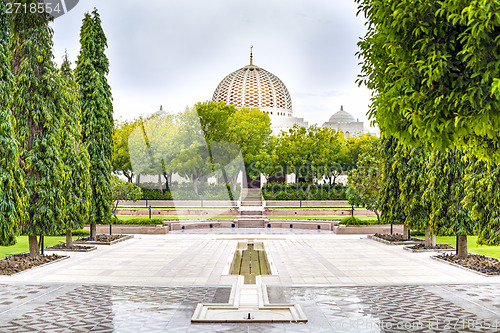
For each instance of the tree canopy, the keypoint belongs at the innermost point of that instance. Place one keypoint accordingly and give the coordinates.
(434, 68)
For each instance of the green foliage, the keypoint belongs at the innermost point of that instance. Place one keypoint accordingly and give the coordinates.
(74, 154)
(277, 191)
(364, 181)
(312, 153)
(97, 114)
(482, 200)
(12, 190)
(411, 164)
(351, 220)
(446, 192)
(185, 191)
(36, 107)
(141, 221)
(389, 204)
(123, 190)
(434, 69)
(250, 129)
(121, 155)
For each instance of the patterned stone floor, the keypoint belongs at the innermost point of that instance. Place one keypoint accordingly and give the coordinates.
(101, 308)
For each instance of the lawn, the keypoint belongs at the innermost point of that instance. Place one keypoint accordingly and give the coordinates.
(490, 251)
(317, 208)
(22, 245)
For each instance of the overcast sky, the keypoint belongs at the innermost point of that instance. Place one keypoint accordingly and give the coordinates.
(175, 53)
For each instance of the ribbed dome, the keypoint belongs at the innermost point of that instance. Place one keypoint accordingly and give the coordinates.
(341, 117)
(252, 86)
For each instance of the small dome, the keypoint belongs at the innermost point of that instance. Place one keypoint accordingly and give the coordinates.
(254, 87)
(342, 117)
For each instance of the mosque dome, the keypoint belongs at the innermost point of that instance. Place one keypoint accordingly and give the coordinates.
(254, 87)
(341, 117)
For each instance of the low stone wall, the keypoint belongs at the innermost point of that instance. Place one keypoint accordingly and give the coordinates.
(301, 224)
(179, 203)
(180, 212)
(368, 229)
(306, 203)
(318, 212)
(131, 229)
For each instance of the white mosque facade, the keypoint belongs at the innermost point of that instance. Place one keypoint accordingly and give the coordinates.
(254, 87)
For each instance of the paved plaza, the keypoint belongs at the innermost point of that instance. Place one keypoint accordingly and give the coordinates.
(343, 284)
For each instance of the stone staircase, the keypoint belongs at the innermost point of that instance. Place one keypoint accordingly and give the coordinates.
(251, 211)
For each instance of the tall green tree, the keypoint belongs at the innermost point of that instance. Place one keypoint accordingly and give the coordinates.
(446, 193)
(97, 115)
(36, 109)
(75, 157)
(121, 154)
(250, 130)
(389, 203)
(12, 189)
(482, 200)
(435, 73)
(364, 181)
(412, 174)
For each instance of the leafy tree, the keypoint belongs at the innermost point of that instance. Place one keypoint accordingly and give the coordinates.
(482, 200)
(308, 152)
(250, 130)
(97, 115)
(364, 181)
(75, 157)
(434, 70)
(412, 174)
(12, 190)
(36, 109)
(121, 155)
(446, 193)
(389, 203)
(123, 190)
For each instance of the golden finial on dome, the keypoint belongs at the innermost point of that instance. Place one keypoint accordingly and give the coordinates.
(251, 55)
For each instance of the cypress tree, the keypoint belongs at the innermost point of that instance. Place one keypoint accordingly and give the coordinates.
(446, 193)
(35, 107)
(75, 157)
(97, 115)
(12, 190)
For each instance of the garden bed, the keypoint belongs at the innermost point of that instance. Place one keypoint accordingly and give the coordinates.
(421, 248)
(477, 263)
(396, 239)
(23, 262)
(73, 248)
(103, 239)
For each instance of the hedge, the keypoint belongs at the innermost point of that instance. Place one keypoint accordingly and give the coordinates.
(185, 191)
(278, 191)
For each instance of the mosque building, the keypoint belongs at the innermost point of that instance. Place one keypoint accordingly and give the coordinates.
(254, 87)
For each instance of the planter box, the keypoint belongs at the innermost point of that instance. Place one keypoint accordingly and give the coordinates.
(368, 229)
(462, 267)
(428, 250)
(131, 229)
(394, 243)
(180, 203)
(318, 212)
(177, 212)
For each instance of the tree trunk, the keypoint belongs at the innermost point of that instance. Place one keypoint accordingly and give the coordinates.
(129, 176)
(405, 232)
(69, 238)
(195, 181)
(430, 239)
(378, 215)
(34, 248)
(93, 231)
(160, 186)
(309, 183)
(138, 180)
(462, 247)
